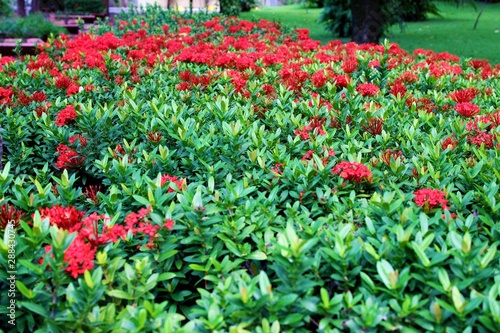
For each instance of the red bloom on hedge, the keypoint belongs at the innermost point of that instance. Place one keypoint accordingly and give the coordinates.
(169, 224)
(66, 116)
(449, 142)
(171, 179)
(464, 95)
(467, 109)
(96, 235)
(482, 138)
(68, 218)
(68, 158)
(80, 257)
(398, 88)
(80, 138)
(9, 213)
(429, 199)
(367, 89)
(374, 126)
(353, 171)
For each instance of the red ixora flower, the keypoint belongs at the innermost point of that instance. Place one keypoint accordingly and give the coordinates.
(374, 126)
(367, 89)
(68, 218)
(353, 171)
(167, 179)
(68, 158)
(449, 142)
(467, 109)
(66, 116)
(9, 213)
(429, 199)
(80, 257)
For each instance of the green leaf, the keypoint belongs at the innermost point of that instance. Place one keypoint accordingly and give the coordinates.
(387, 274)
(257, 255)
(28, 293)
(421, 254)
(36, 308)
(119, 294)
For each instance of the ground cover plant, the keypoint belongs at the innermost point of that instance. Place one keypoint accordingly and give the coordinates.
(199, 174)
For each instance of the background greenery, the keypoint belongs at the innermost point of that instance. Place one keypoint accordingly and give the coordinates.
(452, 32)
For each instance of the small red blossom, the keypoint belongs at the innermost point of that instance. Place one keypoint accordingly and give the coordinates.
(374, 126)
(353, 171)
(91, 192)
(169, 224)
(450, 142)
(389, 154)
(398, 89)
(429, 199)
(167, 179)
(80, 139)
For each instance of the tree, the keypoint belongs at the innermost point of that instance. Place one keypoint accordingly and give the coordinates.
(21, 8)
(35, 6)
(367, 21)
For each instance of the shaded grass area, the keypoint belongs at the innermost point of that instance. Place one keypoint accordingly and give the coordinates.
(453, 32)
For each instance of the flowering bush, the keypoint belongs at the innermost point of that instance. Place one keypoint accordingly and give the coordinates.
(205, 173)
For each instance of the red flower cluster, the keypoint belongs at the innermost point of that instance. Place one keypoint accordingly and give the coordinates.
(139, 223)
(367, 89)
(94, 231)
(353, 171)
(449, 142)
(68, 218)
(389, 154)
(467, 109)
(464, 95)
(68, 158)
(374, 126)
(167, 179)
(429, 199)
(9, 213)
(66, 116)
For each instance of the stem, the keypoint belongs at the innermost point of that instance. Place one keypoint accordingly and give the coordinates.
(480, 12)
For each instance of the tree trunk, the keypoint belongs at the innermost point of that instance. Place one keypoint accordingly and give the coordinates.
(366, 21)
(21, 8)
(35, 6)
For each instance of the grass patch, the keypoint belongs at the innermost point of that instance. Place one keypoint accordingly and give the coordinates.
(293, 16)
(453, 32)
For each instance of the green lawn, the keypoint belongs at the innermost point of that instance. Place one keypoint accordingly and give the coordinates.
(453, 32)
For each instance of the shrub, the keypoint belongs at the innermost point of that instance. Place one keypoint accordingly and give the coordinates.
(337, 16)
(5, 8)
(178, 173)
(31, 26)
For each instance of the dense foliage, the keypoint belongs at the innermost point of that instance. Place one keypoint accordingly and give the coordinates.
(337, 15)
(31, 26)
(73, 6)
(5, 8)
(196, 174)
